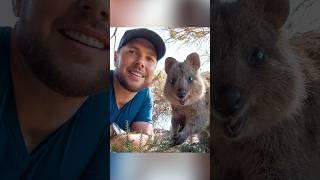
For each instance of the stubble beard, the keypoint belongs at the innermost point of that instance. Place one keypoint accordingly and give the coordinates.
(39, 57)
(126, 84)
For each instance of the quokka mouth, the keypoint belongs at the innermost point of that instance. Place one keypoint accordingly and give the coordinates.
(182, 101)
(233, 129)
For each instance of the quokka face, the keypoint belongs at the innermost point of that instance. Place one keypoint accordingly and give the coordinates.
(257, 81)
(183, 84)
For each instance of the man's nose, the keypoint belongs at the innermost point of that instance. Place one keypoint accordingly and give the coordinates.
(97, 8)
(140, 62)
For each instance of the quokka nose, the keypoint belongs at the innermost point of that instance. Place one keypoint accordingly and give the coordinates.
(226, 99)
(181, 93)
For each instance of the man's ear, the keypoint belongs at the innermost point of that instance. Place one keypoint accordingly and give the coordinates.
(16, 7)
(115, 59)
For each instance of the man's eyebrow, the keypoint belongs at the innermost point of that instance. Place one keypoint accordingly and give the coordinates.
(149, 52)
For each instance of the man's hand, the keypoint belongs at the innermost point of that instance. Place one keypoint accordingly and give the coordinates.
(142, 127)
(137, 141)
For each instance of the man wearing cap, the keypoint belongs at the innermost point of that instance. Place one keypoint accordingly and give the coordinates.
(130, 98)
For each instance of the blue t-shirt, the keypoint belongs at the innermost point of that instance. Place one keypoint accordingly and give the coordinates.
(76, 150)
(139, 108)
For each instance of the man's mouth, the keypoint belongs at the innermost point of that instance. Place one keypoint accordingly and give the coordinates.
(84, 39)
(233, 128)
(138, 74)
(86, 35)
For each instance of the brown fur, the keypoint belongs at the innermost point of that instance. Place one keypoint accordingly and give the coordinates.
(279, 97)
(190, 115)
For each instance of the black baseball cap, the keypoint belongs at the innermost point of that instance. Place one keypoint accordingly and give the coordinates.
(147, 34)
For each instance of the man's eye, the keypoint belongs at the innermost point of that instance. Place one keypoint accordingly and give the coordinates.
(152, 60)
(132, 51)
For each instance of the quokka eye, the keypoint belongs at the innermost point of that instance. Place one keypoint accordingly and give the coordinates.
(172, 81)
(258, 57)
(190, 79)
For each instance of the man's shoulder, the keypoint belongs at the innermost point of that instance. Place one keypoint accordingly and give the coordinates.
(142, 97)
(144, 93)
(4, 31)
(110, 77)
(4, 63)
(95, 107)
(5, 38)
(100, 99)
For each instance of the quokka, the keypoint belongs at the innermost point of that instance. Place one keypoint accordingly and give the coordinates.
(188, 93)
(266, 95)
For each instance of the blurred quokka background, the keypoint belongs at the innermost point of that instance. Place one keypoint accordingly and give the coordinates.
(266, 93)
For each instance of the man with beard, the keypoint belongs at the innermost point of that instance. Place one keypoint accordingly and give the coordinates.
(53, 90)
(135, 60)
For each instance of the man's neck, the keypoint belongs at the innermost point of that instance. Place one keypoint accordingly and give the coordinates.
(40, 109)
(122, 95)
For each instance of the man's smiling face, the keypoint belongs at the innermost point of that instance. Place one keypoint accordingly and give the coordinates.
(135, 64)
(65, 43)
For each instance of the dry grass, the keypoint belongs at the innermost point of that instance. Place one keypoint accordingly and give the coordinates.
(160, 143)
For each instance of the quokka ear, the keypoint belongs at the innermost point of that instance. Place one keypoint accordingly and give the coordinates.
(169, 62)
(276, 12)
(193, 60)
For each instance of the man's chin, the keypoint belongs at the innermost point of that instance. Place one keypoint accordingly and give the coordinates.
(134, 88)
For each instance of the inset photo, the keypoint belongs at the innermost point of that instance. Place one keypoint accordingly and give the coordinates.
(159, 89)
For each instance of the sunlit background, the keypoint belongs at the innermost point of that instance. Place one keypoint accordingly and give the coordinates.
(179, 49)
(155, 13)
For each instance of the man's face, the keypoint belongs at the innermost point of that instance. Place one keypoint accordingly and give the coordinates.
(65, 43)
(135, 64)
